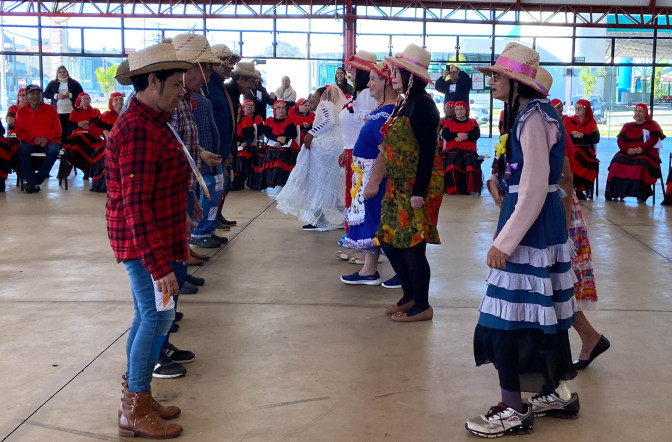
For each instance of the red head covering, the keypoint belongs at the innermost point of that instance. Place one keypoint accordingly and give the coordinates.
(589, 109)
(21, 91)
(646, 110)
(248, 101)
(460, 103)
(450, 103)
(113, 95)
(299, 102)
(275, 105)
(79, 98)
(555, 102)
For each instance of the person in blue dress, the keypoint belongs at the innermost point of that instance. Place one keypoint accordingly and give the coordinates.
(529, 304)
(363, 215)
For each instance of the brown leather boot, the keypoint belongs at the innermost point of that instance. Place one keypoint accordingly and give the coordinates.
(139, 419)
(165, 412)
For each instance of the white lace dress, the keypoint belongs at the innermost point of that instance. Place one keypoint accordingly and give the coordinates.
(314, 190)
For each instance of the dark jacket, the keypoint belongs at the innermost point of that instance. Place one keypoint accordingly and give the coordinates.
(261, 99)
(462, 87)
(74, 89)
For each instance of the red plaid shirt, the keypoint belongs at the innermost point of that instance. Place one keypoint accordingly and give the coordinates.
(146, 190)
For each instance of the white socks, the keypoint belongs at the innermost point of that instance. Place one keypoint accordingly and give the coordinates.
(563, 391)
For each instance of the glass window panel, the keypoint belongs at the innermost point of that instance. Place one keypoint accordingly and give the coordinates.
(399, 42)
(378, 44)
(102, 41)
(20, 39)
(302, 75)
(435, 28)
(56, 40)
(475, 49)
(327, 25)
(257, 44)
(592, 50)
(96, 22)
(18, 20)
(243, 24)
(326, 46)
(292, 45)
(663, 51)
(442, 48)
(296, 24)
(638, 49)
(231, 39)
(136, 40)
(21, 70)
(389, 27)
(555, 49)
(500, 43)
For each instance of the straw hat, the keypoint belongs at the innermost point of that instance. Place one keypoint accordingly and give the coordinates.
(519, 63)
(223, 53)
(363, 60)
(415, 60)
(383, 70)
(194, 49)
(246, 70)
(121, 70)
(544, 80)
(159, 57)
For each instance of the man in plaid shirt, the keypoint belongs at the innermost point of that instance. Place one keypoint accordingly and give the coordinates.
(147, 181)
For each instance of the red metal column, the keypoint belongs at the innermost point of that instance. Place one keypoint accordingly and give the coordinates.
(349, 30)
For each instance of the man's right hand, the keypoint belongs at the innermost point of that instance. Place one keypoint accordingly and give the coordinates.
(168, 285)
(40, 141)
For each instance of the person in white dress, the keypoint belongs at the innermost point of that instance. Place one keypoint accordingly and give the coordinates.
(314, 190)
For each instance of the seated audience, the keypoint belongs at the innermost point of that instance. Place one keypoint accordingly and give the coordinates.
(248, 131)
(282, 149)
(461, 164)
(105, 122)
(85, 143)
(39, 131)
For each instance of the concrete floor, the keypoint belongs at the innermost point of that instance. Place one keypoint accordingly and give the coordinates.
(286, 352)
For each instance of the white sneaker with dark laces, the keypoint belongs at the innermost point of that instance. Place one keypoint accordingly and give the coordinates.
(552, 405)
(501, 420)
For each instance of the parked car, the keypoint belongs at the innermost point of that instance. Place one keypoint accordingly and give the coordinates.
(96, 96)
(600, 112)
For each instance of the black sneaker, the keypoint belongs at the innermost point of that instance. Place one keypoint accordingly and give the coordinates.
(309, 227)
(177, 355)
(166, 368)
(222, 227)
(179, 316)
(174, 328)
(205, 243)
(195, 280)
(221, 239)
(188, 289)
(223, 220)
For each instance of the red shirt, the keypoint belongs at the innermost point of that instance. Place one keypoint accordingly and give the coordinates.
(44, 123)
(146, 190)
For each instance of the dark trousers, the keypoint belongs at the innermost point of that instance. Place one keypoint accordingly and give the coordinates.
(411, 266)
(25, 163)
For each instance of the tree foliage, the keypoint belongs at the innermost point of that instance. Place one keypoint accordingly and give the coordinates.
(106, 79)
(588, 78)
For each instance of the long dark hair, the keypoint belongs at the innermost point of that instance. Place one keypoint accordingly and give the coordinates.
(511, 109)
(361, 82)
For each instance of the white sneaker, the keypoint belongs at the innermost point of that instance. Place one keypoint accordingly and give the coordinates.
(552, 405)
(500, 420)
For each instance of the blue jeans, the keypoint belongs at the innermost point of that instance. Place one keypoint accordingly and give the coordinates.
(26, 166)
(206, 227)
(148, 330)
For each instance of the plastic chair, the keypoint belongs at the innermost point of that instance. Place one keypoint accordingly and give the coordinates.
(62, 168)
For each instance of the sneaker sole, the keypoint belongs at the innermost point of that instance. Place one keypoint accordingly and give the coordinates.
(168, 376)
(391, 286)
(563, 413)
(522, 429)
(183, 361)
(363, 282)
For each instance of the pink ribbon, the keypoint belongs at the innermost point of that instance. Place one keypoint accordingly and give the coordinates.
(516, 66)
(411, 61)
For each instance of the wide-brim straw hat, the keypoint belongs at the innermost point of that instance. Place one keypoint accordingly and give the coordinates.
(544, 79)
(223, 53)
(246, 70)
(415, 60)
(194, 49)
(518, 63)
(159, 57)
(382, 69)
(363, 60)
(123, 69)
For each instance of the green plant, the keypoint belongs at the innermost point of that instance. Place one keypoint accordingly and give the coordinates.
(106, 79)
(588, 78)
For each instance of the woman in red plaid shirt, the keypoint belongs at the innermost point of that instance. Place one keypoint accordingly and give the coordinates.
(146, 205)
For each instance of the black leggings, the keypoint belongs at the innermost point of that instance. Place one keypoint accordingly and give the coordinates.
(413, 269)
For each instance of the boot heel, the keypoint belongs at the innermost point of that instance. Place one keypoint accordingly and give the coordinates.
(126, 433)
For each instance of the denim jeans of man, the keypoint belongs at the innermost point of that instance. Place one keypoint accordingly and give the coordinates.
(149, 327)
(206, 227)
(25, 163)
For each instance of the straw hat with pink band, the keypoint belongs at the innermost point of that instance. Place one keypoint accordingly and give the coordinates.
(383, 70)
(363, 60)
(415, 60)
(518, 63)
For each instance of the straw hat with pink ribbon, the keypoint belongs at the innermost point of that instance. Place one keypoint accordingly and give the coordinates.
(415, 60)
(363, 60)
(518, 63)
(383, 70)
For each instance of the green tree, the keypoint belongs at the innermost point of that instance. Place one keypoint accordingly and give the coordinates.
(658, 84)
(588, 78)
(106, 79)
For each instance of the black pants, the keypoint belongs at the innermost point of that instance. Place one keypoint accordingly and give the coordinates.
(413, 269)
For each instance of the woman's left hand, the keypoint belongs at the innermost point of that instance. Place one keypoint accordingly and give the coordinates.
(308, 141)
(417, 202)
(496, 258)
